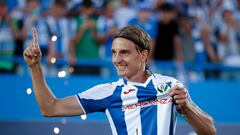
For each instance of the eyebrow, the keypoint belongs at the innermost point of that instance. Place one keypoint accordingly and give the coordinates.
(138, 45)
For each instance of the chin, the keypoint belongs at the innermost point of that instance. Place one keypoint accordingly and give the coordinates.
(121, 74)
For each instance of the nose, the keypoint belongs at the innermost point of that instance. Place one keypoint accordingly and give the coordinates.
(117, 58)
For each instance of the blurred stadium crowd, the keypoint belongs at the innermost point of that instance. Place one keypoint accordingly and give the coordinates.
(196, 32)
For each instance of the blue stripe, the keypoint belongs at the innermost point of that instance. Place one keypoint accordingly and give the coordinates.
(173, 120)
(148, 114)
(116, 112)
(149, 120)
(91, 105)
(146, 93)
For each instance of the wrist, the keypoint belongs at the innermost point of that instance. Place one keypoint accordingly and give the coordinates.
(186, 109)
(34, 65)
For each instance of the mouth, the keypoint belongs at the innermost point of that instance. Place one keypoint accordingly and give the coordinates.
(120, 67)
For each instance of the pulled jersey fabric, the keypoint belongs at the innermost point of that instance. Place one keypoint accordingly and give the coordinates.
(134, 108)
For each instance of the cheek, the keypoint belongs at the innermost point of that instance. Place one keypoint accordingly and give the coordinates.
(135, 61)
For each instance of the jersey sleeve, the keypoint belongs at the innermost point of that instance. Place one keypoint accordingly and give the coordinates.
(96, 99)
(169, 83)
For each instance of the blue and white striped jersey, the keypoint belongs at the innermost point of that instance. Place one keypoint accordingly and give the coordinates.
(134, 108)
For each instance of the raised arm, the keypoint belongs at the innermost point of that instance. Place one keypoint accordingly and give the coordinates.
(200, 121)
(49, 105)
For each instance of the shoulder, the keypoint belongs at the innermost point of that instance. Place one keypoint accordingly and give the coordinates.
(100, 91)
(164, 77)
(158, 78)
(104, 86)
(164, 83)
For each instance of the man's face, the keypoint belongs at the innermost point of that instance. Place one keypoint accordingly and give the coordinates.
(167, 16)
(127, 60)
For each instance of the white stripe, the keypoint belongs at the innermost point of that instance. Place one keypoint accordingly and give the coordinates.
(98, 92)
(114, 131)
(80, 104)
(132, 116)
(163, 118)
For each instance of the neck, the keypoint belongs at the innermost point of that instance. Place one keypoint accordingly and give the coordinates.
(141, 77)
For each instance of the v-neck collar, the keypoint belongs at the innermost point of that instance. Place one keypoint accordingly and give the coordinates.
(138, 83)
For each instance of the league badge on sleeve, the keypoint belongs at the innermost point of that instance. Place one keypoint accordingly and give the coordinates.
(163, 87)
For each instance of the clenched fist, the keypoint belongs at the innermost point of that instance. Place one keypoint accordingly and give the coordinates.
(32, 54)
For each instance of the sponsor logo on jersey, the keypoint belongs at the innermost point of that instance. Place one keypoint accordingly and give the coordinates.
(128, 91)
(147, 103)
(163, 87)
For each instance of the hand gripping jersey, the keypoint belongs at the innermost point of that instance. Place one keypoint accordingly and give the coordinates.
(134, 108)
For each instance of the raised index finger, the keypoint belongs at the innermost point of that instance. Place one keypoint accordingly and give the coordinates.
(35, 38)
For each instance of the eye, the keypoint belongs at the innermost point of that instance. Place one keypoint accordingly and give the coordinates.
(125, 52)
(113, 52)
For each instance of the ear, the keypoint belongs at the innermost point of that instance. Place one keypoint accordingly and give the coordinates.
(145, 55)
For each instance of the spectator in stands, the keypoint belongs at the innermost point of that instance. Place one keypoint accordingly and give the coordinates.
(167, 47)
(59, 27)
(186, 38)
(6, 41)
(32, 17)
(124, 13)
(237, 19)
(60, 32)
(145, 21)
(229, 48)
(84, 44)
(107, 27)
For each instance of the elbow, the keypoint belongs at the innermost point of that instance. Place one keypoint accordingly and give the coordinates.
(213, 130)
(208, 128)
(47, 113)
(48, 109)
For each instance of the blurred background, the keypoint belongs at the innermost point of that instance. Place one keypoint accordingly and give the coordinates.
(196, 41)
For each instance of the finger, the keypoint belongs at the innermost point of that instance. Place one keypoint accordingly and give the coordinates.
(35, 38)
(176, 87)
(31, 52)
(37, 51)
(26, 53)
(180, 102)
(179, 97)
(178, 92)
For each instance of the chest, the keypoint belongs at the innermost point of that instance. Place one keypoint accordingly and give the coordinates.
(131, 97)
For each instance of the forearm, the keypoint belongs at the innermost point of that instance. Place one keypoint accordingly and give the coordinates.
(79, 34)
(43, 94)
(95, 35)
(178, 50)
(71, 47)
(201, 122)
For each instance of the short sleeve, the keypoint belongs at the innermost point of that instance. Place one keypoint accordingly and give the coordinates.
(96, 99)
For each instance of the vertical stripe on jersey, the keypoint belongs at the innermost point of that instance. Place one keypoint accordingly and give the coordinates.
(164, 112)
(119, 120)
(148, 114)
(173, 121)
(114, 131)
(132, 116)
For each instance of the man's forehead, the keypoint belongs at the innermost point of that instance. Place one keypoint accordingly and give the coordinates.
(121, 43)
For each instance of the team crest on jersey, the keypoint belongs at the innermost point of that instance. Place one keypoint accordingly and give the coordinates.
(163, 87)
